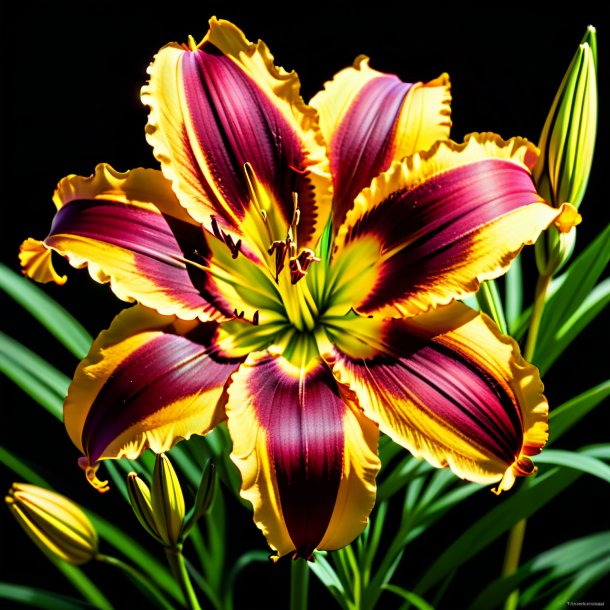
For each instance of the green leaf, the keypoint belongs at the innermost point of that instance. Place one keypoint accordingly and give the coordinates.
(577, 461)
(34, 375)
(412, 598)
(82, 583)
(595, 302)
(328, 577)
(19, 467)
(574, 410)
(433, 512)
(118, 479)
(520, 505)
(136, 553)
(584, 580)
(31, 597)
(62, 325)
(570, 298)
(559, 563)
(243, 561)
(395, 480)
(488, 297)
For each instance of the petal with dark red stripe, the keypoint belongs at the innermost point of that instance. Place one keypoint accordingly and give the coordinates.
(435, 225)
(129, 230)
(222, 104)
(451, 389)
(370, 119)
(148, 381)
(308, 460)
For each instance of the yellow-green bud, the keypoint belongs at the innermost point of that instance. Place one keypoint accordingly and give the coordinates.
(567, 144)
(53, 522)
(139, 496)
(204, 497)
(167, 501)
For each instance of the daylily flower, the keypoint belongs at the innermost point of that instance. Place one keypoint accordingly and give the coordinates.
(297, 270)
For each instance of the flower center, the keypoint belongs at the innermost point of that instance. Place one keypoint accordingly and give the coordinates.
(279, 248)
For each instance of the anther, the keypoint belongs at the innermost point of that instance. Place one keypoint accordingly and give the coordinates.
(234, 247)
(299, 265)
(280, 248)
(216, 229)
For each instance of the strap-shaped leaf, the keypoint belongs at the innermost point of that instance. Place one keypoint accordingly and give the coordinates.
(62, 325)
(574, 410)
(573, 303)
(578, 461)
(412, 598)
(564, 562)
(520, 505)
(583, 581)
(31, 597)
(34, 375)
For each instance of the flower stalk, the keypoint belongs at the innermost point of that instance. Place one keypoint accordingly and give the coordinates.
(177, 564)
(299, 584)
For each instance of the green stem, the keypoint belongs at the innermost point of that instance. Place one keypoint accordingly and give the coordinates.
(517, 533)
(542, 286)
(137, 576)
(357, 580)
(299, 584)
(180, 572)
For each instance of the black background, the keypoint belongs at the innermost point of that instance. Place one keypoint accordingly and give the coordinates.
(70, 84)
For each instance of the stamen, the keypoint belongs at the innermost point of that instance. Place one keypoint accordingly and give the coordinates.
(280, 248)
(234, 247)
(255, 318)
(216, 229)
(298, 265)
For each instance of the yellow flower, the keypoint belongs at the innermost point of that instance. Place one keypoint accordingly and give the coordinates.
(297, 270)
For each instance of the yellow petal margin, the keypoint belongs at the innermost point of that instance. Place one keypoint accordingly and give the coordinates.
(175, 144)
(37, 264)
(425, 117)
(409, 420)
(369, 260)
(148, 382)
(253, 425)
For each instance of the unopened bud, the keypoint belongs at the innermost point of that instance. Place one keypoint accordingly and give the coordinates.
(567, 143)
(139, 497)
(167, 501)
(204, 497)
(55, 523)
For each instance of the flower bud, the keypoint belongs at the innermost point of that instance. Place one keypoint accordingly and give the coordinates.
(204, 497)
(139, 497)
(567, 143)
(53, 522)
(167, 501)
